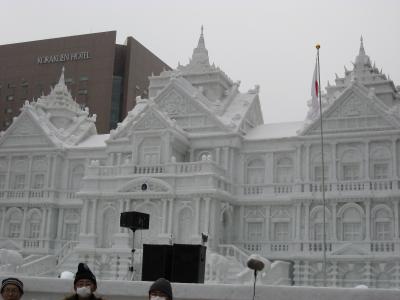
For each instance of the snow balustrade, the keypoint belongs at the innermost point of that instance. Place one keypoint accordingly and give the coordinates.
(376, 185)
(54, 288)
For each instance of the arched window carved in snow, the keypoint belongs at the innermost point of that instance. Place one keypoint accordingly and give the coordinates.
(351, 222)
(14, 222)
(316, 167)
(284, 170)
(255, 171)
(76, 177)
(380, 163)
(33, 224)
(71, 225)
(383, 223)
(317, 224)
(351, 165)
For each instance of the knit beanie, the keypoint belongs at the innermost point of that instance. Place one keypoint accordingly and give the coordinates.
(84, 273)
(15, 281)
(162, 285)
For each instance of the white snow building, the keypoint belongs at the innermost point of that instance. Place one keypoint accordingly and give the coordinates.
(209, 164)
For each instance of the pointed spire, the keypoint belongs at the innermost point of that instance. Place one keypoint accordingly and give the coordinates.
(200, 53)
(62, 80)
(362, 50)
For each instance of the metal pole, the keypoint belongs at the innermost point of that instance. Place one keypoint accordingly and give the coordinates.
(323, 167)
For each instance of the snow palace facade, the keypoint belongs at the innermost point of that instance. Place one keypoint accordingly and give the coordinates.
(197, 157)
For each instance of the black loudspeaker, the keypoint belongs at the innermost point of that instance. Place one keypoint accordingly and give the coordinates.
(189, 263)
(157, 262)
(134, 220)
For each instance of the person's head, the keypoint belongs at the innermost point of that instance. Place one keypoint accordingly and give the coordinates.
(160, 290)
(12, 289)
(85, 282)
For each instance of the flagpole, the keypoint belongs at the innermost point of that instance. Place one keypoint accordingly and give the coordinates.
(322, 167)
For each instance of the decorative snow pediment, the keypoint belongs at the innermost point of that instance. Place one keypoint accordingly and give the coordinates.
(356, 109)
(25, 132)
(146, 185)
(188, 107)
(150, 120)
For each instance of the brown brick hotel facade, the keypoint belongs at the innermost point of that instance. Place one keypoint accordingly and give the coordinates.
(101, 74)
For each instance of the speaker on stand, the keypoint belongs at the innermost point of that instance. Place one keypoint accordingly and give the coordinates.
(134, 221)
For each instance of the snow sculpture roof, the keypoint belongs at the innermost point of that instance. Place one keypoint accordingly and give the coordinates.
(274, 131)
(367, 80)
(61, 117)
(210, 90)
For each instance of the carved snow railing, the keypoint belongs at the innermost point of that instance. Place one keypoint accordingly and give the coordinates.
(238, 254)
(65, 251)
(41, 266)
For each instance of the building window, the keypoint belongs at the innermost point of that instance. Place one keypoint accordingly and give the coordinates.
(255, 172)
(2, 181)
(381, 170)
(19, 182)
(38, 181)
(284, 170)
(383, 225)
(14, 224)
(83, 78)
(8, 110)
(34, 226)
(351, 171)
(281, 231)
(10, 97)
(14, 229)
(69, 81)
(318, 173)
(352, 231)
(254, 231)
(83, 92)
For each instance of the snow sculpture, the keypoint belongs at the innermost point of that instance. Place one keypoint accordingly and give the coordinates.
(10, 261)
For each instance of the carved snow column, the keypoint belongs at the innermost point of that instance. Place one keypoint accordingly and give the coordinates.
(334, 273)
(3, 221)
(394, 159)
(307, 221)
(84, 217)
(29, 179)
(7, 183)
(226, 158)
(366, 161)
(24, 222)
(307, 166)
(298, 178)
(206, 225)
(170, 215)
(121, 238)
(60, 223)
(197, 216)
(49, 218)
(218, 156)
(368, 220)
(334, 222)
(298, 222)
(43, 224)
(87, 238)
(241, 224)
(396, 219)
(119, 155)
(267, 222)
(164, 216)
(334, 163)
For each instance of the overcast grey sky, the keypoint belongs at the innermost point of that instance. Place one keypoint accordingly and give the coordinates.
(270, 43)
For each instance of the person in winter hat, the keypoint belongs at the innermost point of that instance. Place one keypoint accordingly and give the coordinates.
(85, 284)
(12, 289)
(160, 290)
